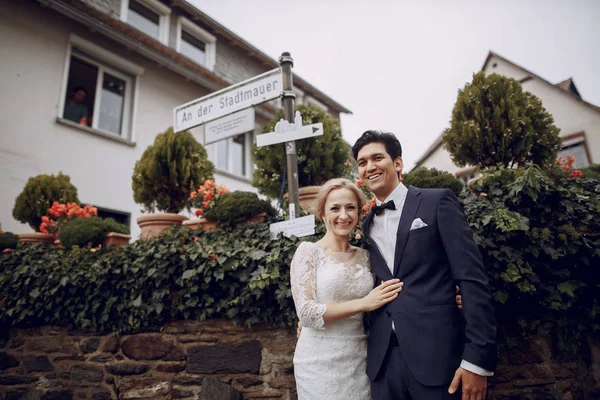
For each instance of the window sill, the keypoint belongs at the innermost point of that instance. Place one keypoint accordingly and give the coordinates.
(233, 176)
(94, 132)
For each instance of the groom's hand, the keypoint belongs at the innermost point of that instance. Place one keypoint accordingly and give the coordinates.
(474, 387)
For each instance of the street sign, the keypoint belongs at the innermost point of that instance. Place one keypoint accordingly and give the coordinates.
(228, 126)
(302, 132)
(299, 227)
(254, 91)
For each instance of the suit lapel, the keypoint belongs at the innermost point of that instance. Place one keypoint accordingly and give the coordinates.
(377, 260)
(411, 205)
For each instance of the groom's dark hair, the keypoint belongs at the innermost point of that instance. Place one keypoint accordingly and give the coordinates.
(389, 140)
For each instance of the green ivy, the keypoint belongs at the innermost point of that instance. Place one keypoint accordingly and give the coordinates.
(539, 235)
(238, 274)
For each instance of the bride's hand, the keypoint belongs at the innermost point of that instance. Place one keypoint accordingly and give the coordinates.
(382, 294)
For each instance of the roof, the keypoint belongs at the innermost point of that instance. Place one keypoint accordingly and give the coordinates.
(133, 38)
(564, 86)
(567, 86)
(255, 53)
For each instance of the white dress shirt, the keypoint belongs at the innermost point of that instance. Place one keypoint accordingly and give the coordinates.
(382, 233)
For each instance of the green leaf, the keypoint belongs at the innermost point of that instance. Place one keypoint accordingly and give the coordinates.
(137, 302)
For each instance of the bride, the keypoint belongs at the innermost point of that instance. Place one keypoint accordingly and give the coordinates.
(332, 286)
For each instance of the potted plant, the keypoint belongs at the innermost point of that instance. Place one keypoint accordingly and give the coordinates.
(61, 214)
(93, 231)
(38, 195)
(206, 197)
(164, 178)
(116, 234)
(320, 158)
(239, 207)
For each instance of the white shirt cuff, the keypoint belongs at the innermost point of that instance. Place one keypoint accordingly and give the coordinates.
(475, 369)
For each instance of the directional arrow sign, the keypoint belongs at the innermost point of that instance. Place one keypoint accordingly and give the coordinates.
(303, 132)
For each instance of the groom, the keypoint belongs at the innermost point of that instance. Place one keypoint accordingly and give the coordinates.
(420, 345)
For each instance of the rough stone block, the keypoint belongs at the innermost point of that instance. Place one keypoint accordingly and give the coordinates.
(9, 380)
(111, 345)
(37, 364)
(90, 345)
(7, 361)
(151, 348)
(127, 369)
(213, 389)
(225, 358)
(89, 373)
(58, 395)
(158, 390)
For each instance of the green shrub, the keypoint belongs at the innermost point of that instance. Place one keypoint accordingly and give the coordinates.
(539, 235)
(8, 240)
(237, 274)
(169, 170)
(494, 122)
(110, 225)
(591, 171)
(38, 195)
(433, 178)
(320, 158)
(82, 232)
(238, 205)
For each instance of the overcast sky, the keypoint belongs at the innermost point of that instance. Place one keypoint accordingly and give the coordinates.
(397, 64)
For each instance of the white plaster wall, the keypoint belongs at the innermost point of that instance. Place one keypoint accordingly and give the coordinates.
(34, 45)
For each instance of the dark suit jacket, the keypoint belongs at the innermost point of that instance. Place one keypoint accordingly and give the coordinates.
(434, 335)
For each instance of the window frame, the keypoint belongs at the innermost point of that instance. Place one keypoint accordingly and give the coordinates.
(210, 41)
(105, 61)
(156, 6)
(575, 139)
(248, 165)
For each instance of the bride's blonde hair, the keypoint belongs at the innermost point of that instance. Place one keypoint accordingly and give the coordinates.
(334, 184)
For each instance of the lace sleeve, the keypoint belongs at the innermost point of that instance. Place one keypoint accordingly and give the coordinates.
(304, 287)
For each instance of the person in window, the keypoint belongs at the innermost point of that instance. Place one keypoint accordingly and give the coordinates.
(75, 110)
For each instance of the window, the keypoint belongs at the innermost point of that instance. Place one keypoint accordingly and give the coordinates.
(97, 93)
(193, 48)
(576, 145)
(149, 16)
(195, 43)
(231, 155)
(119, 216)
(579, 152)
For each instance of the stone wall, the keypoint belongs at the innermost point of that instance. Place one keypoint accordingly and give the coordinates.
(217, 360)
(186, 360)
(537, 368)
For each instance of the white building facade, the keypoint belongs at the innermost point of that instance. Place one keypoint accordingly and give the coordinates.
(578, 120)
(136, 60)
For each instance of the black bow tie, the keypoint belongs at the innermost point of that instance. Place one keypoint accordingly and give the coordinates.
(388, 204)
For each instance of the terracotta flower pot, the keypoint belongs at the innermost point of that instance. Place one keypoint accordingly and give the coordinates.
(116, 239)
(307, 196)
(200, 223)
(152, 225)
(260, 217)
(8, 251)
(36, 237)
(58, 244)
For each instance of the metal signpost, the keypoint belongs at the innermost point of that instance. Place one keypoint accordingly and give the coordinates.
(228, 112)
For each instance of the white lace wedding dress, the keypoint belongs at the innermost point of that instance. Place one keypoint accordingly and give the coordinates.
(330, 360)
